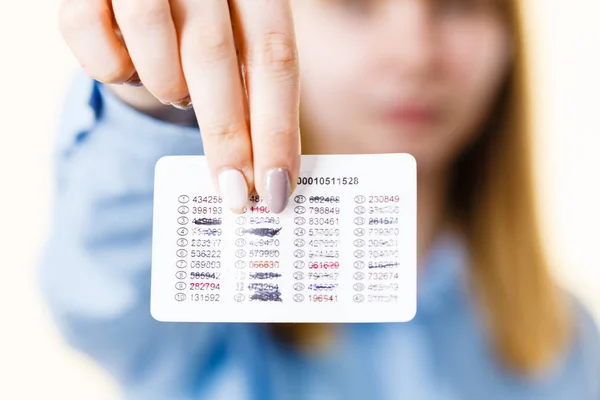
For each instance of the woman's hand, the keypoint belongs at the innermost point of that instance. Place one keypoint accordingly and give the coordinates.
(186, 51)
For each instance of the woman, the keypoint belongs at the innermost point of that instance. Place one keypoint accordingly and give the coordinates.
(443, 80)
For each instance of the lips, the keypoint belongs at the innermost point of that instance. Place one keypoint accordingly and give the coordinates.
(412, 114)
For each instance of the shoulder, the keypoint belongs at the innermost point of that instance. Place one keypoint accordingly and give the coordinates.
(582, 362)
(586, 334)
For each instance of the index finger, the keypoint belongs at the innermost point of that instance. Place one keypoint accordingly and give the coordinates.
(265, 34)
(210, 65)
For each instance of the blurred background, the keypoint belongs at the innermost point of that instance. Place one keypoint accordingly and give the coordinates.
(35, 68)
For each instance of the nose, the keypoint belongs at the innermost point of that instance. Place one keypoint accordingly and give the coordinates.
(407, 36)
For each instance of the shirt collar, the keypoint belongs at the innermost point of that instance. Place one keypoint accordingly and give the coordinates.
(441, 273)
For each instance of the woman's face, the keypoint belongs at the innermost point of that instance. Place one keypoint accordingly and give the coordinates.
(416, 76)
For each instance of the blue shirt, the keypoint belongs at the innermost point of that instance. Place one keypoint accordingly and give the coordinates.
(96, 277)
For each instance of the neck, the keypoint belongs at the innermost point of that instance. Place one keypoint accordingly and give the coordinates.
(432, 194)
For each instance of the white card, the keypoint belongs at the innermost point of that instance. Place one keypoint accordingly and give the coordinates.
(344, 250)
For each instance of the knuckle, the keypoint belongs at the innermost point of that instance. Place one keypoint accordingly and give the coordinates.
(226, 130)
(214, 45)
(77, 15)
(283, 133)
(277, 52)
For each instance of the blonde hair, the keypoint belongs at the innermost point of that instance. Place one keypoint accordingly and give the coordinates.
(492, 202)
(493, 199)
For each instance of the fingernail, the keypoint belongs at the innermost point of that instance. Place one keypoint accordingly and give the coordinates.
(184, 104)
(277, 189)
(134, 80)
(234, 189)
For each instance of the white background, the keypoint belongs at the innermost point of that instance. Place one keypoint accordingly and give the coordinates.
(35, 68)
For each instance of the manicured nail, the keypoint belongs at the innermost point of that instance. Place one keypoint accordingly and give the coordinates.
(134, 80)
(234, 189)
(184, 104)
(277, 189)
